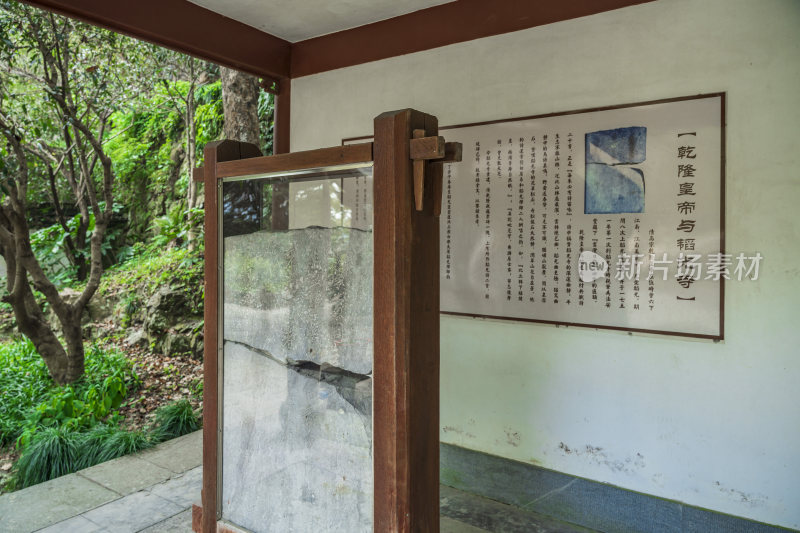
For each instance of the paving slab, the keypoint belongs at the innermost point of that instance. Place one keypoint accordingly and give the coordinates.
(180, 523)
(177, 455)
(76, 524)
(448, 525)
(126, 475)
(133, 512)
(50, 502)
(490, 515)
(183, 489)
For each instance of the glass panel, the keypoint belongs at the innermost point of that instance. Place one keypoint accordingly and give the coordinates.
(297, 352)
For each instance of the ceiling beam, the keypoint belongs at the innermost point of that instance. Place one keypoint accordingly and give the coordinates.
(187, 28)
(454, 22)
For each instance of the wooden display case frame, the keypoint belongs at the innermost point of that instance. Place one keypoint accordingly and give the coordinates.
(407, 157)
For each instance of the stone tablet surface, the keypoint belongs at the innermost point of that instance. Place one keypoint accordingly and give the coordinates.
(297, 368)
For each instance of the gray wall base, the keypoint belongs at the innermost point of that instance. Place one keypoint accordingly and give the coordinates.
(581, 501)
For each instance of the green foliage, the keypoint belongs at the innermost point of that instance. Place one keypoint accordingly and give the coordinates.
(61, 450)
(50, 247)
(208, 115)
(70, 409)
(174, 227)
(100, 71)
(24, 383)
(142, 144)
(266, 121)
(53, 453)
(150, 267)
(56, 451)
(29, 401)
(174, 420)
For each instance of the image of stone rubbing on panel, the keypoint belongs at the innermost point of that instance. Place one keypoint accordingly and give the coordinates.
(612, 184)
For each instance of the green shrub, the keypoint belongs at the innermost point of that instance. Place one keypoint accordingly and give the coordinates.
(51, 453)
(69, 409)
(174, 419)
(24, 383)
(30, 400)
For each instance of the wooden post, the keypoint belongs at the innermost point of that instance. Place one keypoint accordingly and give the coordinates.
(214, 152)
(406, 332)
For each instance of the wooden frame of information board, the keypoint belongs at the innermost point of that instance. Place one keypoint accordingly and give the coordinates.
(406, 315)
(717, 322)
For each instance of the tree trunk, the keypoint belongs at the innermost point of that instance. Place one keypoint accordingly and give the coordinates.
(240, 105)
(64, 366)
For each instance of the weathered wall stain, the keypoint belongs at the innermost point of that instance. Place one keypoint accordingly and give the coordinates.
(596, 455)
(512, 437)
(458, 431)
(753, 500)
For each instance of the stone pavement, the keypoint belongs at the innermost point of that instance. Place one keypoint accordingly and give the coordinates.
(153, 491)
(129, 494)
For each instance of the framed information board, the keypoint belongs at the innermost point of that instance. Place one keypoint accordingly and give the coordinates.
(610, 217)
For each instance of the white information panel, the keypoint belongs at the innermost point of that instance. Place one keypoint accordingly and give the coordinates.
(610, 218)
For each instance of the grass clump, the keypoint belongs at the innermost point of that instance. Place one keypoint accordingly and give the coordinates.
(53, 452)
(57, 451)
(174, 420)
(103, 443)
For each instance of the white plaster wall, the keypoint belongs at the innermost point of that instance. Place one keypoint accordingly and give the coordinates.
(713, 425)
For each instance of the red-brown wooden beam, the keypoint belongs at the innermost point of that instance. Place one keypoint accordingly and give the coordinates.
(406, 333)
(321, 157)
(185, 27)
(455, 22)
(281, 145)
(189, 28)
(283, 107)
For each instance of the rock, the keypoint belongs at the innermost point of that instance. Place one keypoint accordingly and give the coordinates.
(93, 330)
(99, 308)
(184, 339)
(196, 345)
(8, 325)
(164, 308)
(137, 338)
(176, 343)
(69, 295)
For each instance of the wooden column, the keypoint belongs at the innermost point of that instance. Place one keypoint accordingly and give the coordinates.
(214, 152)
(406, 332)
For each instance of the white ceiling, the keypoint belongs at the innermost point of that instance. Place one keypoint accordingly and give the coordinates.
(297, 20)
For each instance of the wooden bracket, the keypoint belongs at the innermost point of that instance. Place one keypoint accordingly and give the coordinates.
(435, 151)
